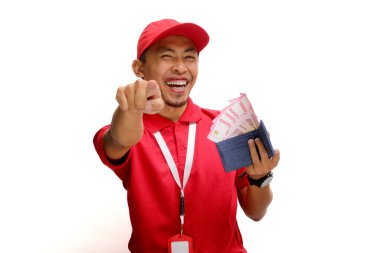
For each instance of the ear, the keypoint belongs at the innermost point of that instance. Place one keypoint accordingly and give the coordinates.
(138, 68)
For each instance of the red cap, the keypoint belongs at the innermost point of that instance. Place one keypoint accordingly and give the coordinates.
(168, 27)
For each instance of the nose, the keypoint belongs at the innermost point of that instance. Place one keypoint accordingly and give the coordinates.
(179, 68)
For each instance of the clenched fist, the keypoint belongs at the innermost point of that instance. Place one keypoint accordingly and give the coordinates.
(140, 96)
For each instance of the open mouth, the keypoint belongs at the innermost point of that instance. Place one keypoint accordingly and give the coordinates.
(177, 85)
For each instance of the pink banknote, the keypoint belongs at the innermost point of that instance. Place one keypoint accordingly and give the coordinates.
(237, 118)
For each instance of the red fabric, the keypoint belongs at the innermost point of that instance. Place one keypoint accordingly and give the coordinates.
(166, 27)
(153, 195)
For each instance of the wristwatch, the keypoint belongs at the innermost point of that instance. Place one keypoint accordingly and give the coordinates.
(261, 182)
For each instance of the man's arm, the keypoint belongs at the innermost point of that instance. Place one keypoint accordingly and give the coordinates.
(127, 125)
(255, 200)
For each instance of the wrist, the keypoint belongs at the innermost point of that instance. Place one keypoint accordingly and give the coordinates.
(262, 181)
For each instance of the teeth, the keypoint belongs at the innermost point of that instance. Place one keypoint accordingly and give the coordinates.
(176, 83)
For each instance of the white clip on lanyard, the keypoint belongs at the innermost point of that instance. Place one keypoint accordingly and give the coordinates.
(173, 168)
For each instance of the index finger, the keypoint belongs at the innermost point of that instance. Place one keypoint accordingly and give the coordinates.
(141, 95)
(254, 152)
(152, 90)
(146, 90)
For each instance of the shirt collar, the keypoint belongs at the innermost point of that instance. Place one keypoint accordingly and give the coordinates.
(155, 122)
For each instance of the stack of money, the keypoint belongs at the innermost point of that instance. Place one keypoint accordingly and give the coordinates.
(236, 119)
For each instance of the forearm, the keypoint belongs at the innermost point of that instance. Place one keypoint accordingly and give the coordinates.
(126, 130)
(256, 201)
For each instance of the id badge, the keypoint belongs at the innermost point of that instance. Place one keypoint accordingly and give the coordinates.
(180, 244)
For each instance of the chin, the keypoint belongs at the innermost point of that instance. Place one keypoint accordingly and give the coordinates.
(176, 102)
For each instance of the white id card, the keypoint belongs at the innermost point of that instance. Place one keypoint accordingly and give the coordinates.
(180, 244)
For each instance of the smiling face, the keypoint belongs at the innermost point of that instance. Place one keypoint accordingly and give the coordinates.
(173, 63)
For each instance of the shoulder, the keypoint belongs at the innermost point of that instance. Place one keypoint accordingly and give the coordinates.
(210, 113)
(194, 111)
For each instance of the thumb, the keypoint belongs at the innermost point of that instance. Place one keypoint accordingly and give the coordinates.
(154, 103)
(276, 158)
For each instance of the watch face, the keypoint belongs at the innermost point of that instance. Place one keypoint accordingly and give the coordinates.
(266, 181)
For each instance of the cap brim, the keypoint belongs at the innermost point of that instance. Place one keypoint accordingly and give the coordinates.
(192, 31)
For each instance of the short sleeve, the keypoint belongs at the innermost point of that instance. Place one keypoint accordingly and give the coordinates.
(120, 167)
(241, 179)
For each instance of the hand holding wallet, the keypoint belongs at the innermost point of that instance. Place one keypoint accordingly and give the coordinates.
(232, 128)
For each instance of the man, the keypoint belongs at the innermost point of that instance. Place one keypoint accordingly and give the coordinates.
(179, 196)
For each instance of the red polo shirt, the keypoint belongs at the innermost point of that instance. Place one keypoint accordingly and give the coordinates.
(153, 195)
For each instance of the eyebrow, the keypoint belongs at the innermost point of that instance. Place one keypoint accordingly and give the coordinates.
(164, 49)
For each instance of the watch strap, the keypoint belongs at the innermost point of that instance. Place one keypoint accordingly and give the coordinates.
(258, 182)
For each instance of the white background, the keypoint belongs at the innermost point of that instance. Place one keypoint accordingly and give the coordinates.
(310, 69)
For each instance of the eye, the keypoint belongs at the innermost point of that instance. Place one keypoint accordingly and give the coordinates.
(190, 57)
(166, 56)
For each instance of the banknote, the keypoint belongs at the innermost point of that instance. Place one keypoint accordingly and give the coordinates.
(235, 119)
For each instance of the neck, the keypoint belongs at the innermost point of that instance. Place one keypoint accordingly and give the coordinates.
(173, 113)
